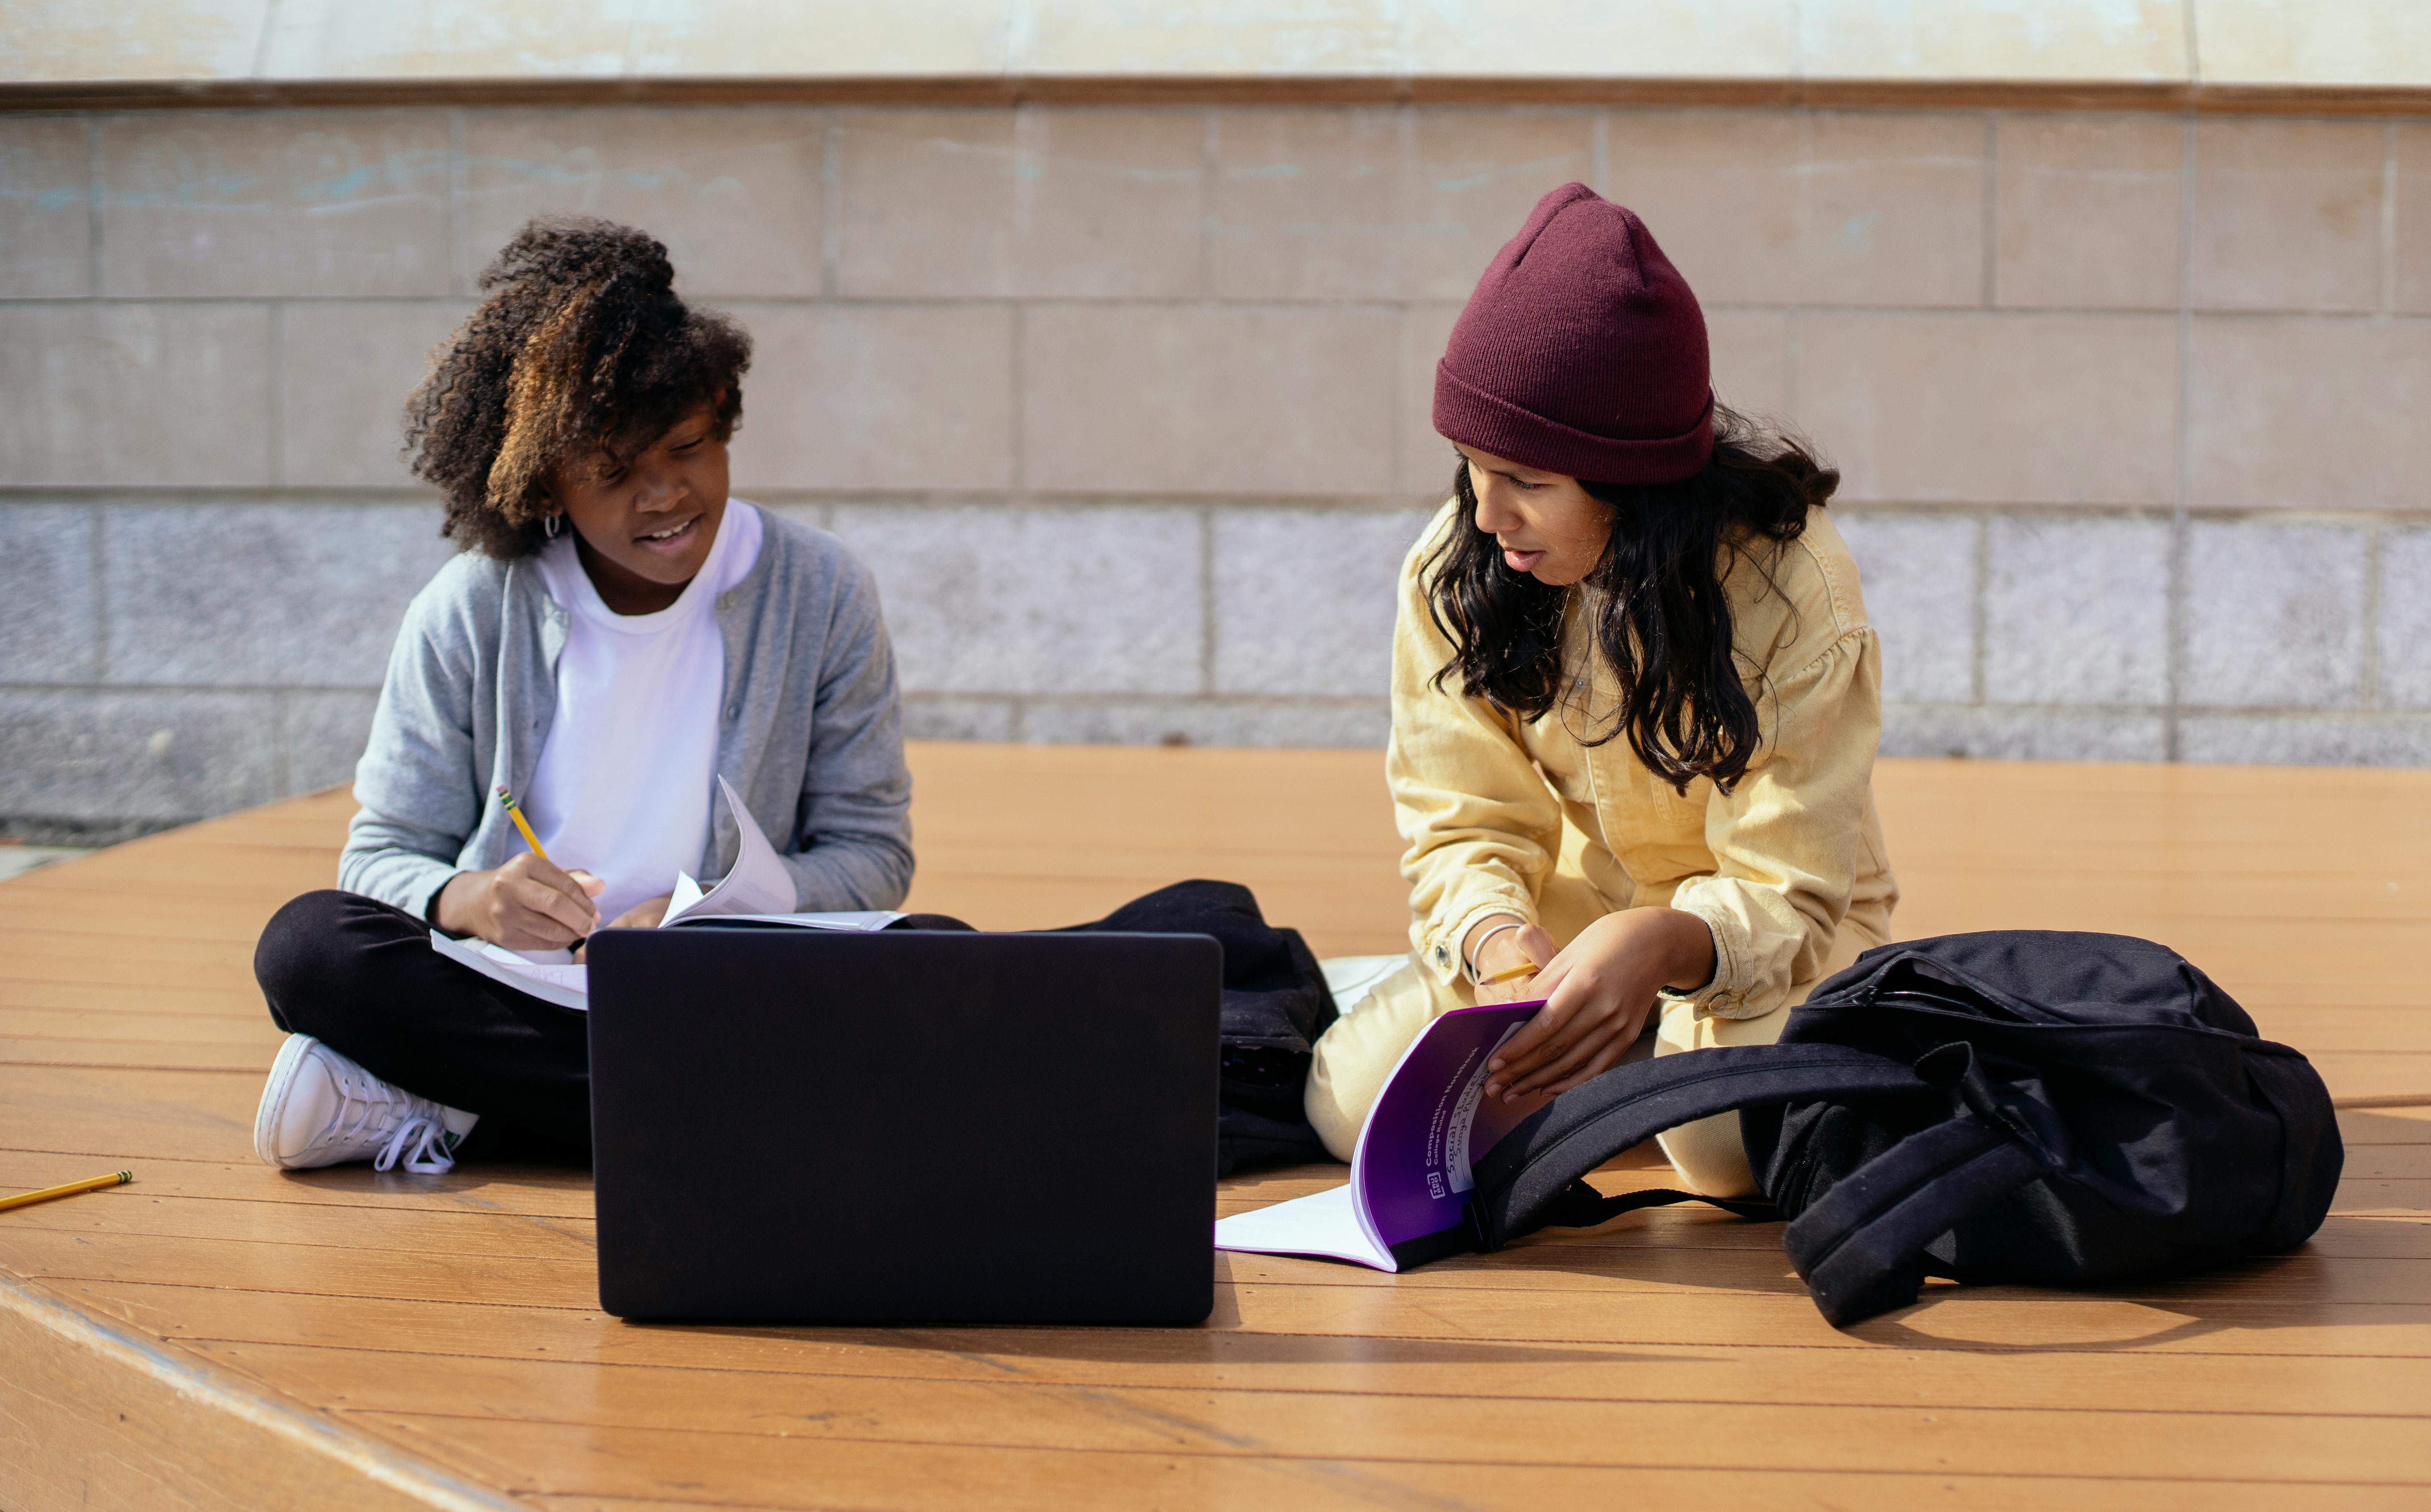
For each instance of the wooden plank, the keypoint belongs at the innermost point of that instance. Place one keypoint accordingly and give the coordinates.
(503, 1191)
(746, 1411)
(458, 1232)
(1576, 1275)
(1536, 1299)
(134, 1025)
(1888, 1372)
(582, 1460)
(2376, 1170)
(195, 999)
(1383, 1329)
(249, 1060)
(94, 1416)
(1453, 1489)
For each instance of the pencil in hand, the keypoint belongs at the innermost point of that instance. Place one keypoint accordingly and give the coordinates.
(521, 823)
(1508, 974)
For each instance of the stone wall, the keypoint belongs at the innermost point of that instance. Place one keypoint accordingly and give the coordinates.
(1128, 405)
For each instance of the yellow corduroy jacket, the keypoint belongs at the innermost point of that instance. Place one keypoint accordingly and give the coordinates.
(1526, 817)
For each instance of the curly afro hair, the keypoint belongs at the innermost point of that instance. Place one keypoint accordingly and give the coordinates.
(581, 346)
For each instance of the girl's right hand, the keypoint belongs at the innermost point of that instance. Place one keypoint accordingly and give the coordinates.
(528, 904)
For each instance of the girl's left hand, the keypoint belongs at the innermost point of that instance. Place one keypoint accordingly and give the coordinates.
(1597, 994)
(642, 915)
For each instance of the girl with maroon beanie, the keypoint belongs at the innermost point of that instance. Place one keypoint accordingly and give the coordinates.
(1636, 700)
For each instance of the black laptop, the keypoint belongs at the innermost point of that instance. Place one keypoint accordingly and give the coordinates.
(911, 1126)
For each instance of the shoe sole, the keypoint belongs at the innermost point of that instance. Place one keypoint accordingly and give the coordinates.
(282, 1080)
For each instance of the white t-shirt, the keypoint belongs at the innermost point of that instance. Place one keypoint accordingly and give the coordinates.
(622, 790)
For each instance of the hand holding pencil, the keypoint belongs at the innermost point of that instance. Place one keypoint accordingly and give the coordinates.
(529, 903)
(1509, 961)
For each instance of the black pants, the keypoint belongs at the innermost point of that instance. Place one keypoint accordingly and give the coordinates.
(362, 977)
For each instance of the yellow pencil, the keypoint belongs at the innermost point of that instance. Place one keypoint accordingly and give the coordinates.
(1507, 974)
(518, 814)
(90, 1184)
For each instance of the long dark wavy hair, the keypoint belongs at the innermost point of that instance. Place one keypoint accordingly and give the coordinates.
(581, 344)
(1662, 621)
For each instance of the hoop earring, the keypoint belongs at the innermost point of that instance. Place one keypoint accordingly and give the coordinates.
(549, 525)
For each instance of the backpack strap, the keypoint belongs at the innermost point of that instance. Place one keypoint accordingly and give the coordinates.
(1861, 1246)
(1526, 1180)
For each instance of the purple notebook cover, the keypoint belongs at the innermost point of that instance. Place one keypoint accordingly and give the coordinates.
(1412, 1163)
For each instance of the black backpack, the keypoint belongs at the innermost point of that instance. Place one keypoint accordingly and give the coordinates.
(2017, 1107)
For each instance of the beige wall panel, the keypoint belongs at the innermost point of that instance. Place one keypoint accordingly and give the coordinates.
(345, 370)
(1051, 203)
(1304, 599)
(449, 39)
(2088, 210)
(735, 194)
(1750, 360)
(291, 203)
(1787, 208)
(2133, 40)
(2288, 214)
(1325, 37)
(63, 40)
(877, 397)
(1993, 408)
(2293, 413)
(1627, 39)
(46, 208)
(2275, 614)
(1379, 203)
(1308, 203)
(1426, 458)
(1290, 400)
(1084, 599)
(2076, 609)
(1475, 177)
(50, 606)
(815, 39)
(135, 394)
(2412, 250)
(2313, 41)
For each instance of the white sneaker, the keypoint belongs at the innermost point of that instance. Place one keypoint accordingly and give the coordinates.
(322, 1109)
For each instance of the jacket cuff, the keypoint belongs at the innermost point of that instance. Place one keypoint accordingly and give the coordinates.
(1725, 993)
(1439, 946)
(421, 891)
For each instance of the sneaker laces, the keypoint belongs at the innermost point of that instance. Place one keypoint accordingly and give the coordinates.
(359, 1106)
(429, 1152)
(425, 1144)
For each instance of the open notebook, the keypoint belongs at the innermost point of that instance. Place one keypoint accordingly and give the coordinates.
(1407, 1198)
(757, 890)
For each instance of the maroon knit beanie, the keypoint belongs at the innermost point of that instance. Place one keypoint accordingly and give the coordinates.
(1581, 351)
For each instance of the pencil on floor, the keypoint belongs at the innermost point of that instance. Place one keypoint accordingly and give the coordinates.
(516, 814)
(91, 1183)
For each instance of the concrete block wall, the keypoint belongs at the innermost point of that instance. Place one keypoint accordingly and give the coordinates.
(1127, 405)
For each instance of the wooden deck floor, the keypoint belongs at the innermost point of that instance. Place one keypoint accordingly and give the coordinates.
(219, 1334)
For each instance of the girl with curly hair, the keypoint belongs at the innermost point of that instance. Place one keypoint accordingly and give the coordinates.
(1635, 700)
(616, 635)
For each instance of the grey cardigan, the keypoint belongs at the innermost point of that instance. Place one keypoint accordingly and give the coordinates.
(808, 731)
